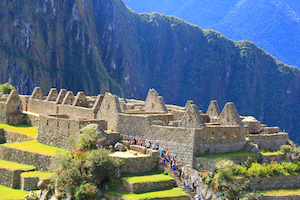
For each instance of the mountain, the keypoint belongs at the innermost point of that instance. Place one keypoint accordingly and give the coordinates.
(101, 45)
(272, 25)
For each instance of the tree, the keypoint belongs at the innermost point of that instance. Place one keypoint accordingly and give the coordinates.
(6, 88)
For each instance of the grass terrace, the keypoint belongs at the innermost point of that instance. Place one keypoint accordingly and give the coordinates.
(43, 175)
(30, 131)
(7, 193)
(35, 147)
(279, 192)
(163, 193)
(15, 166)
(271, 152)
(228, 155)
(150, 176)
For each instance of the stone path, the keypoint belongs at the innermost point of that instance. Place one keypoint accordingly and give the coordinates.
(179, 183)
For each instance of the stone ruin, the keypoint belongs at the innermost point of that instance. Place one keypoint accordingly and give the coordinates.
(185, 131)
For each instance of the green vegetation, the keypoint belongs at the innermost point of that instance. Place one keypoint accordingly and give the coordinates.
(163, 193)
(35, 147)
(8, 193)
(270, 152)
(83, 169)
(6, 88)
(15, 166)
(228, 155)
(151, 176)
(45, 175)
(278, 192)
(30, 131)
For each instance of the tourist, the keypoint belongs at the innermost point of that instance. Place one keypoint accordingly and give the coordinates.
(148, 144)
(156, 146)
(182, 176)
(133, 141)
(153, 147)
(179, 173)
(161, 151)
(198, 197)
(194, 186)
(187, 185)
(140, 143)
(173, 167)
(124, 138)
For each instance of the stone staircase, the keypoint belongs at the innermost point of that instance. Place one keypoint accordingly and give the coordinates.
(179, 182)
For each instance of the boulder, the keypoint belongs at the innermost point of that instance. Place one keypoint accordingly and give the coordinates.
(119, 147)
(42, 185)
(30, 196)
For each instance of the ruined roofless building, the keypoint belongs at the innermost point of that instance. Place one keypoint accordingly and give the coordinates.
(185, 131)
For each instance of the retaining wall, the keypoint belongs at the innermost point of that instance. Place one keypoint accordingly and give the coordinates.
(146, 186)
(10, 178)
(269, 141)
(11, 137)
(41, 161)
(270, 183)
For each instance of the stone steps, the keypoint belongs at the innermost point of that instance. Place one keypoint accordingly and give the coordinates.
(180, 182)
(10, 173)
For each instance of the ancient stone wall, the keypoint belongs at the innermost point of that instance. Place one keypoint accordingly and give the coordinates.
(270, 130)
(271, 183)
(165, 118)
(219, 139)
(76, 112)
(269, 141)
(146, 186)
(11, 137)
(134, 125)
(10, 178)
(42, 107)
(154, 102)
(24, 157)
(140, 164)
(109, 110)
(2, 112)
(54, 131)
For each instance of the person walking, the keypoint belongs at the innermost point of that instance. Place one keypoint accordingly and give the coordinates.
(187, 184)
(194, 186)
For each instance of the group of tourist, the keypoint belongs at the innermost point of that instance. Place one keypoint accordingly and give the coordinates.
(147, 144)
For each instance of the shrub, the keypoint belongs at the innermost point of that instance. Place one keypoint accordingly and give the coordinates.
(86, 191)
(225, 168)
(286, 149)
(290, 167)
(6, 88)
(87, 140)
(83, 167)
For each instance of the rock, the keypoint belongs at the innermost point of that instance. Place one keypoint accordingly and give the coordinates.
(39, 193)
(30, 196)
(119, 147)
(45, 194)
(42, 185)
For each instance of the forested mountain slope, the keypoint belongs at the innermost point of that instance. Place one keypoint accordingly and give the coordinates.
(101, 45)
(272, 25)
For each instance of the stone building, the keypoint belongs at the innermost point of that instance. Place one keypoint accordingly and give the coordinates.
(185, 131)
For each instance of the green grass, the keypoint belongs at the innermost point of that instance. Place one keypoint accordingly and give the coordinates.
(278, 192)
(44, 175)
(271, 152)
(7, 193)
(163, 193)
(236, 154)
(15, 166)
(35, 147)
(151, 176)
(30, 131)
